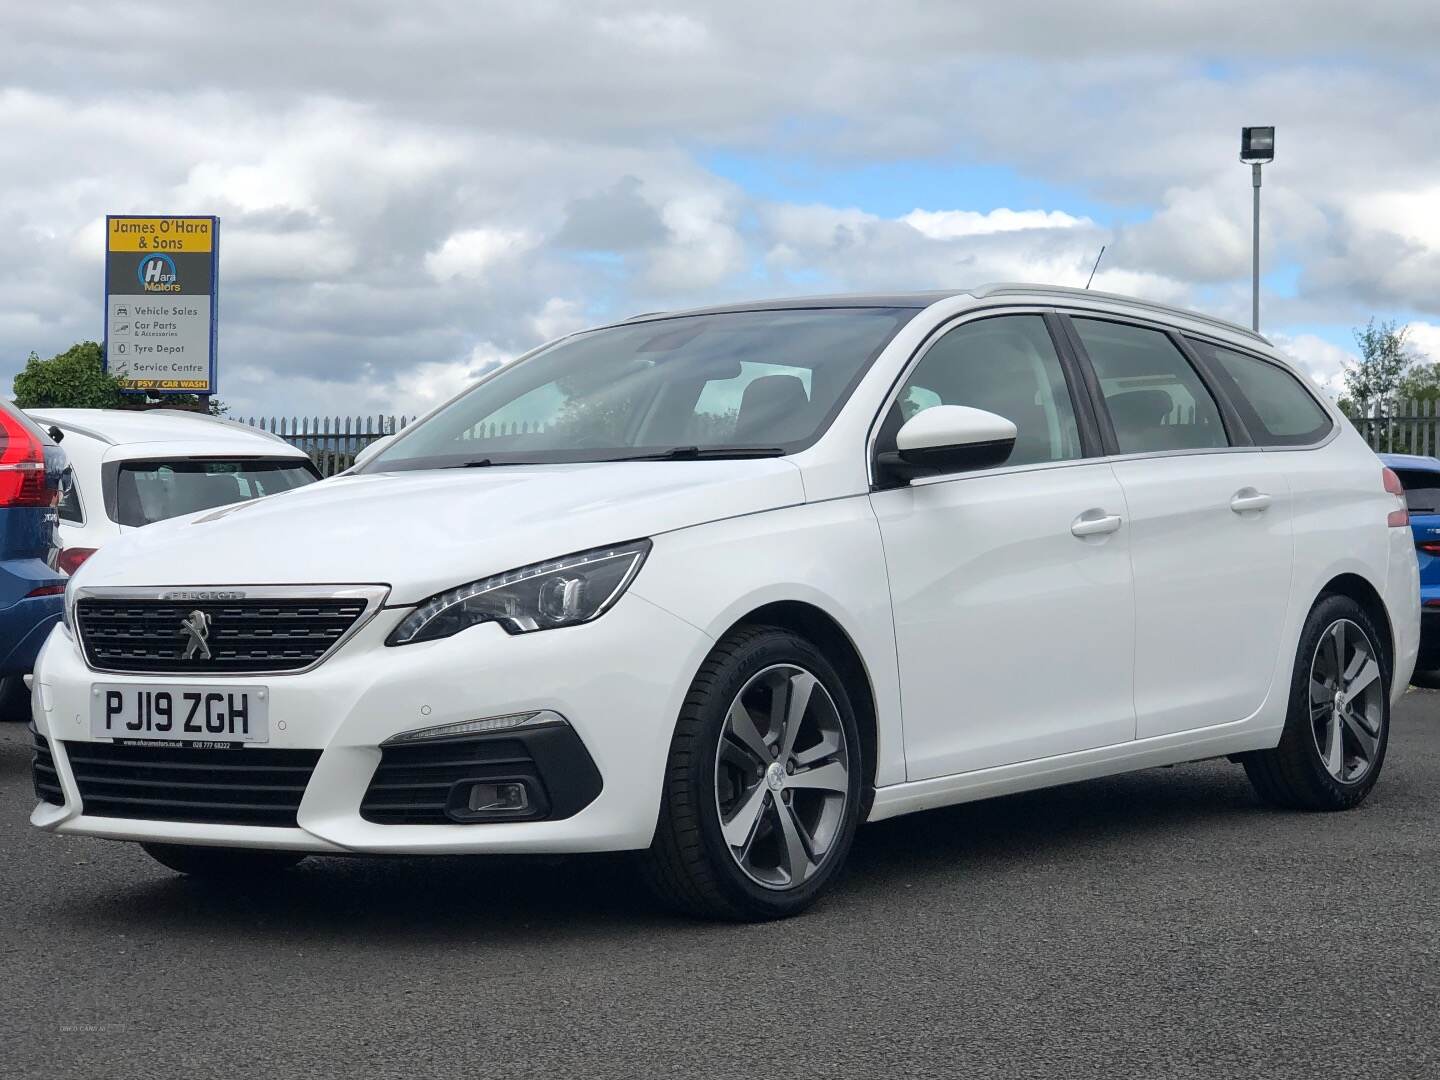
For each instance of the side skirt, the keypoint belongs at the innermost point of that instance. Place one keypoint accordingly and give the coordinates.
(1173, 749)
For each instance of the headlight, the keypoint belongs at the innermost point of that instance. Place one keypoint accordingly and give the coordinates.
(562, 592)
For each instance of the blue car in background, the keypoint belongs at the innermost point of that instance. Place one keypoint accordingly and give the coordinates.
(1420, 476)
(31, 588)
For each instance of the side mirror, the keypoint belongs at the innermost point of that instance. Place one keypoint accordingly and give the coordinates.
(948, 439)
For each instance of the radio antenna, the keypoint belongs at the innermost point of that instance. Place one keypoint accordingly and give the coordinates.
(1095, 267)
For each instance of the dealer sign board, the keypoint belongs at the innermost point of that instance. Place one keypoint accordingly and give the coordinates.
(160, 302)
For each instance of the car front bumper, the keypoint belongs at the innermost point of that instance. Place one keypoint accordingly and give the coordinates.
(619, 682)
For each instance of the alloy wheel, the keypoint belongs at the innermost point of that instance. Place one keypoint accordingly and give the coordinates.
(1347, 705)
(782, 776)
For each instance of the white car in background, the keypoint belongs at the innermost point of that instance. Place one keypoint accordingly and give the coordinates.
(135, 468)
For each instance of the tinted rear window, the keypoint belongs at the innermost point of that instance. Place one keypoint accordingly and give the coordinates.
(1422, 490)
(142, 492)
(1276, 408)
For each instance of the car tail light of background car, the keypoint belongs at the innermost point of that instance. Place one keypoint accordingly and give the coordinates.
(29, 473)
(71, 558)
(1398, 519)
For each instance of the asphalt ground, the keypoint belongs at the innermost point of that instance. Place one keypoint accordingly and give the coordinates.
(1161, 924)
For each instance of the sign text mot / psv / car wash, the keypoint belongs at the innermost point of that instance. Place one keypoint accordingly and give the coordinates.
(160, 302)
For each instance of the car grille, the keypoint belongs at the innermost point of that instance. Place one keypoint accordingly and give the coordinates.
(413, 782)
(42, 770)
(246, 636)
(178, 783)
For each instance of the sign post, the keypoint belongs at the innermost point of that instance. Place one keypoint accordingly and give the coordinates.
(161, 276)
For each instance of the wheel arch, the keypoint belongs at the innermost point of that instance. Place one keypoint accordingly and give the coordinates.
(1368, 597)
(820, 627)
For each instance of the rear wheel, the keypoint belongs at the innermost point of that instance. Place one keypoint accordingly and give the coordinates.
(222, 864)
(763, 783)
(1338, 726)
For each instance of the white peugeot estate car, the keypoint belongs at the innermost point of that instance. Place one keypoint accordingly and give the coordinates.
(718, 586)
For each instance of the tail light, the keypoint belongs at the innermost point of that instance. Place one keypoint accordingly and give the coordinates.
(1398, 519)
(22, 466)
(71, 558)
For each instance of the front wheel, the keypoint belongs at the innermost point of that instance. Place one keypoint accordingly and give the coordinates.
(1338, 726)
(222, 864)
(763, 783)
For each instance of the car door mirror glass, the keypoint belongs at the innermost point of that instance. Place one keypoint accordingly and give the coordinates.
(947, 439)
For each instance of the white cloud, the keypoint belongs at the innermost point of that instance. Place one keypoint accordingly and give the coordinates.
(1424, 340)
(557, 318)
(951, 224)
(472, 252)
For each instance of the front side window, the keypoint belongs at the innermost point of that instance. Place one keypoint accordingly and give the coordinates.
(142, 492)
(1277, 409)
(1005, 365)
(762, 381)
(1155, 398)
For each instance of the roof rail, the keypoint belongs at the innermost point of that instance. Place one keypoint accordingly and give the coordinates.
(218, 420)
(1007, 288)
(70, 426)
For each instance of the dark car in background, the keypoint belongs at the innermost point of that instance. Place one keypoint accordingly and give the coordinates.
(1420, 476)
(32, 467)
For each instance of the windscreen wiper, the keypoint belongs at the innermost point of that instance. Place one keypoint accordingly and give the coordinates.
(697, 453)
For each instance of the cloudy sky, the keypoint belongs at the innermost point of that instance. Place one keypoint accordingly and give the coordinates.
(409, 191)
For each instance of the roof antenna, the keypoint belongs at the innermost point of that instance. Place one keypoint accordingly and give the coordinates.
(1095, 267)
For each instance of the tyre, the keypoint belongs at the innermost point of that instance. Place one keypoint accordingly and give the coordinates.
(1338, 725)
(14, 698)
(222, 864)
(762, 785)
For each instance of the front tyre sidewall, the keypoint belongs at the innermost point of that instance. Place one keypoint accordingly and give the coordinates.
(764, 651)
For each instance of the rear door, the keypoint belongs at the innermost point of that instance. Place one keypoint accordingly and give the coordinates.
(1210, 516)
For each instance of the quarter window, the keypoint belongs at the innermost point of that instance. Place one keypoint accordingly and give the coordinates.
(1278, 410)
(1005, 365)
(1155, 398)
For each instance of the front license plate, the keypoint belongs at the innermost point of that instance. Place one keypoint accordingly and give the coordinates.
(180, 713)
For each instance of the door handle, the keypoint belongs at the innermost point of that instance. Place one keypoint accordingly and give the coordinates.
(1247, 498)
(1094, 523)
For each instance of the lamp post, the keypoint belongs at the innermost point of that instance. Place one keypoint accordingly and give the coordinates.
(1257, 148)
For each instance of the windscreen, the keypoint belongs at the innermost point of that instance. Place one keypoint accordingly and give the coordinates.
(142, 492)
(767, 381)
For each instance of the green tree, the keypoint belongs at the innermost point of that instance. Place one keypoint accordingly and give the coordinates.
(74, 379)
(1421, 383)
(1377, 375)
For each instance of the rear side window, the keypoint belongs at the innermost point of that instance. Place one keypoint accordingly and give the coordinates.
(142, 492)
(1155, 398)
(1278, 410)
(1422, 490)
(69, 505)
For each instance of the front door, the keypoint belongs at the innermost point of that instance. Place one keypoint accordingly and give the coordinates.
(1011, 587)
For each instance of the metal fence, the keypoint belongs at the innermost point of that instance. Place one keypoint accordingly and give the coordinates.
(331, 441)
(1407, 427)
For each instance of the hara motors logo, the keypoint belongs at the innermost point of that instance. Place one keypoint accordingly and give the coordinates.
(157, 274)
